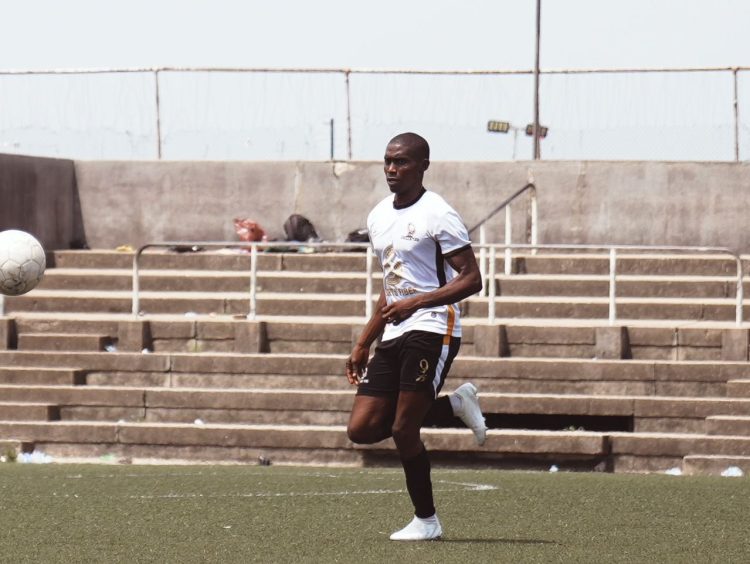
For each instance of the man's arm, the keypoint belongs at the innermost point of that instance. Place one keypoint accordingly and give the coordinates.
(357, 361)
(466, 283)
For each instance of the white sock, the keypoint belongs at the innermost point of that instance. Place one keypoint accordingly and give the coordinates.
(456, 403)
(429, 520)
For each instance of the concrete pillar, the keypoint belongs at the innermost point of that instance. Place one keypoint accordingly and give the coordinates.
(251, 337)
(734, 343)
(8, 335)
(134, 336)
(491, 341)
(612, 343)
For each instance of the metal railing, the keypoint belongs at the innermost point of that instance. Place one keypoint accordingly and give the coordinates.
(253, 274)
(532, 232)
(614, 253)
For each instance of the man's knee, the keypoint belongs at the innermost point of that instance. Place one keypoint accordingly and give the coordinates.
(364, 435)
(405, 433)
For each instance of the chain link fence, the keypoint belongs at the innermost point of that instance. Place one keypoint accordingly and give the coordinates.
(338, 114)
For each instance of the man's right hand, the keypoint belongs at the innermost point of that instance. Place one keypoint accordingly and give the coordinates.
(356, 363)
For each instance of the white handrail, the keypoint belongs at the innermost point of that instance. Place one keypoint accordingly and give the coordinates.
(615, 253)
(532, 234)
(254, 246)
(614, 250)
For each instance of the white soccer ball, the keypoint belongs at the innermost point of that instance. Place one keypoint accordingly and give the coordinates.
(22, 262)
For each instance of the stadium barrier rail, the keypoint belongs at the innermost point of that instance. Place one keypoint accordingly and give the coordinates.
(614, 252)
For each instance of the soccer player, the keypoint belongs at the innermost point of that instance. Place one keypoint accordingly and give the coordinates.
(428, 267)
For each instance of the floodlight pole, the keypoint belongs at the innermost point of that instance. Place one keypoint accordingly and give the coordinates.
(537, 152)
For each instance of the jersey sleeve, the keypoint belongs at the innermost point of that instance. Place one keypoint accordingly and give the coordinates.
(449, 231)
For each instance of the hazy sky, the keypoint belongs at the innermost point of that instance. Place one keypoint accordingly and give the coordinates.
(410, 34)
(261, 116)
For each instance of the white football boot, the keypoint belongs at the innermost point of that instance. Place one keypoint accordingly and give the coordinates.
(470, 412)
(420, 530)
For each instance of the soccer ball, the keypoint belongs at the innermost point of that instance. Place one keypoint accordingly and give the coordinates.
(22, 262)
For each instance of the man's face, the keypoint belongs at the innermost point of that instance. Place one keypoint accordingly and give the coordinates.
(403, 170)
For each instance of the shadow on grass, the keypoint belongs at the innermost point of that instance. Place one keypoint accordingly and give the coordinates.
(500, 541)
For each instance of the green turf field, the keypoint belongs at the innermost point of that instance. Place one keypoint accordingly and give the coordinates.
(185, 514)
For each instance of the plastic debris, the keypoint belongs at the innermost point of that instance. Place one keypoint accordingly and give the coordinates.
(3, 459)
(733, 472)
(554, 468)
(674, 471)
(146, 351)
(199, 422)
(36, 457)
(263, 461)
(125, 249)
(110, 348)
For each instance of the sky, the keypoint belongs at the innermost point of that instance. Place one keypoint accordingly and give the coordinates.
(409, 34)
(358, 34)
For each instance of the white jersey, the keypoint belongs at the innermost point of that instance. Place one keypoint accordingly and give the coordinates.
(411, 243)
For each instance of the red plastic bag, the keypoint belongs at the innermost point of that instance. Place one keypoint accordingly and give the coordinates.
(249, 230)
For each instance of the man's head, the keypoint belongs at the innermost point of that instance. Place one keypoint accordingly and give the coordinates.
(407, 157)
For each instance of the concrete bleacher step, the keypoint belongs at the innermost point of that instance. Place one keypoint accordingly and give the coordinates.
(516, 375)
(281, 304)
(739, 388)
(658, 452)
(544, 262)
(714, 465)
(62, 342)
(23, 411)
(226, 260)
(728, 425)
(205, 281)
(621, 452)
(164, 280)
(283, 443)
(42, 376)
(310, 334)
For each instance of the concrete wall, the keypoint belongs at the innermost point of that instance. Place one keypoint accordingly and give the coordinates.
(579, 202)
(40, 196)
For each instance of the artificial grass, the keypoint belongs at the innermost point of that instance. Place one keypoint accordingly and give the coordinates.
(186, 514)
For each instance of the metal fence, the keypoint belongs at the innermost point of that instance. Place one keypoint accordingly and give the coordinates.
(345, 114)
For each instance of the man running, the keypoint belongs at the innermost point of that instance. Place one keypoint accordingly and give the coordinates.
(428, 267)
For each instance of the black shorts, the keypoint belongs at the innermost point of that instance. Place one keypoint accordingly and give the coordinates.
(417, 360)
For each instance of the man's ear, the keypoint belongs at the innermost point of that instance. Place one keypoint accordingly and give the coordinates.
(425, 164)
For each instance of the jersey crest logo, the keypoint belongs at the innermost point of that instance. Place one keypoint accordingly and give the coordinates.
(410, 230)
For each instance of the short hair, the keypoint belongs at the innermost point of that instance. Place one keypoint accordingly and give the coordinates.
(415, 142)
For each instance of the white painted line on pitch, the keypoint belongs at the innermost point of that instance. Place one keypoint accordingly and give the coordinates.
(470, 487)
(463, 487)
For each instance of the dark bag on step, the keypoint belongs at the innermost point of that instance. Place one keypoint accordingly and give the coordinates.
(298, 228)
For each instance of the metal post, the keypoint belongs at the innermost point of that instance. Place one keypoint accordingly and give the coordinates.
(534, 221)
(333, 153)
(612, 286)
(368, 284)
(508, 237)
(483, 258)
(740, 294)
(491, 282)
(253, 282)
(136, 284)
(537, 152)
(2, 305)
(158, 116)
(736, 118)
(348, 117)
